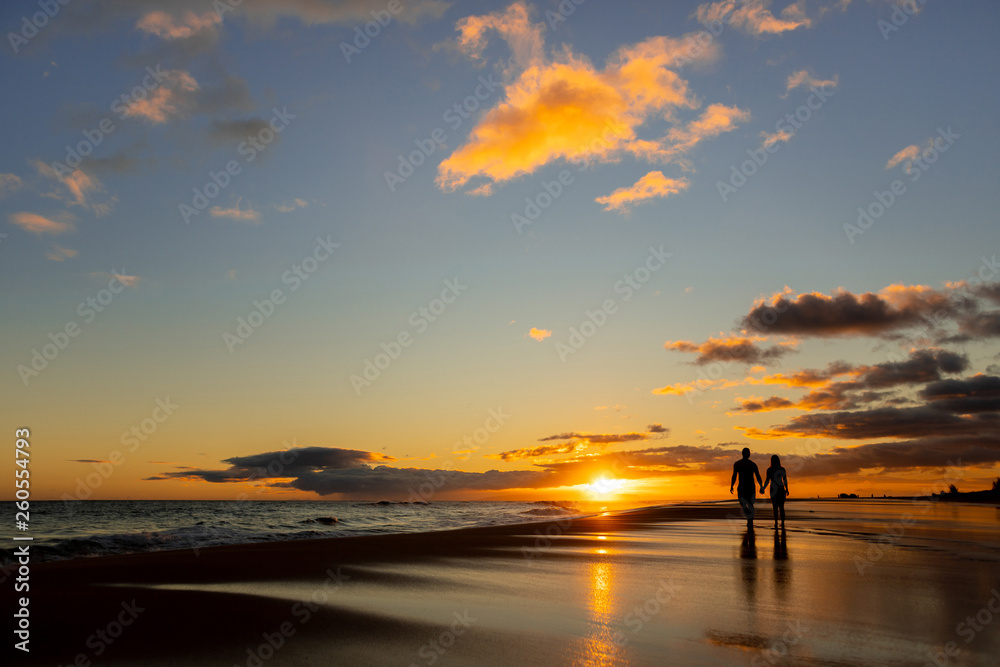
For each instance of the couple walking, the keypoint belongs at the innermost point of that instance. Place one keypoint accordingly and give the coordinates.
(746, 470)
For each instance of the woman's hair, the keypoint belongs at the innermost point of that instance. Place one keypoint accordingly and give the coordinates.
(775, 461)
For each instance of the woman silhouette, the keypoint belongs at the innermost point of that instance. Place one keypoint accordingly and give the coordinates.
(778, 479)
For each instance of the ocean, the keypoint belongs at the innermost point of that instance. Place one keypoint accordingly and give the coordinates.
(62, 530)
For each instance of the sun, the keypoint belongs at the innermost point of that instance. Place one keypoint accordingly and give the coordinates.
(604, 487)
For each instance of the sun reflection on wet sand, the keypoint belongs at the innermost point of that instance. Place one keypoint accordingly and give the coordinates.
(600, 647)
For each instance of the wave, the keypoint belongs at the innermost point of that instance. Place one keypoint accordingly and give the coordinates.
(383, 503)
(551, 511)
(123, 527)
(553, 508)
(197, 536)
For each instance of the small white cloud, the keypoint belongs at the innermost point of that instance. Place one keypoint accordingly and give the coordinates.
(235, 213)
(287, 208)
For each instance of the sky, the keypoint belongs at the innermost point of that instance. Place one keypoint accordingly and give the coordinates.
(430, 250)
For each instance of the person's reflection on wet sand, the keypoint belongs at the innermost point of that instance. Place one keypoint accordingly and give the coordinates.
(780, 545)
(748, 567)
(782, 569)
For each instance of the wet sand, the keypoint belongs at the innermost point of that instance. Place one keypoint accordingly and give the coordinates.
(877, 583)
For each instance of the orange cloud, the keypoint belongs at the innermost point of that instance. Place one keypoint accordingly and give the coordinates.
(539, 334)
(770, 434)
(652, 185)
(703, 384)
(753, 16)
(173, 97)
(677, 389)
(908, 154)
(541, 450)
(163, 25)
(513, 25)
(565, 108)
(732, 348)
(715, 120)
(562, 111)
(58, 253)
(769, 140)
(804, 78)
(9, 183)
(38, 224)
(806, 378)
(80, 186)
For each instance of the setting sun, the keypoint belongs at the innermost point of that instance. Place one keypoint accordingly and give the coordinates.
(604, 487)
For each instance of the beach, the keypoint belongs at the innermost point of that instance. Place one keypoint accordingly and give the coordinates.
(846, 583)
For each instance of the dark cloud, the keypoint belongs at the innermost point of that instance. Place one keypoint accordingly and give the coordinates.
(977, 394)
(980, 325)
(834, 398)
(214, 476)
(347, 472)
(119, 163)
(287, 463)
(823, 399)
(125, 161)
(885, 422)
(935, 453)
(847, 314)
(757, 405)
(386, 482)
(235, 131)
(921, 454)
(99, 15)
(308, 457)
(596, 438)
(657, 428)
(920, 367)
(232, 94)
(734, 349)
(990, 291)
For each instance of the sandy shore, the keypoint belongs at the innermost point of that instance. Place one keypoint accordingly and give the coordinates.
(682, 585)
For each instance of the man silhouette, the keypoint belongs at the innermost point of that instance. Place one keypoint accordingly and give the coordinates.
(746, 492)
